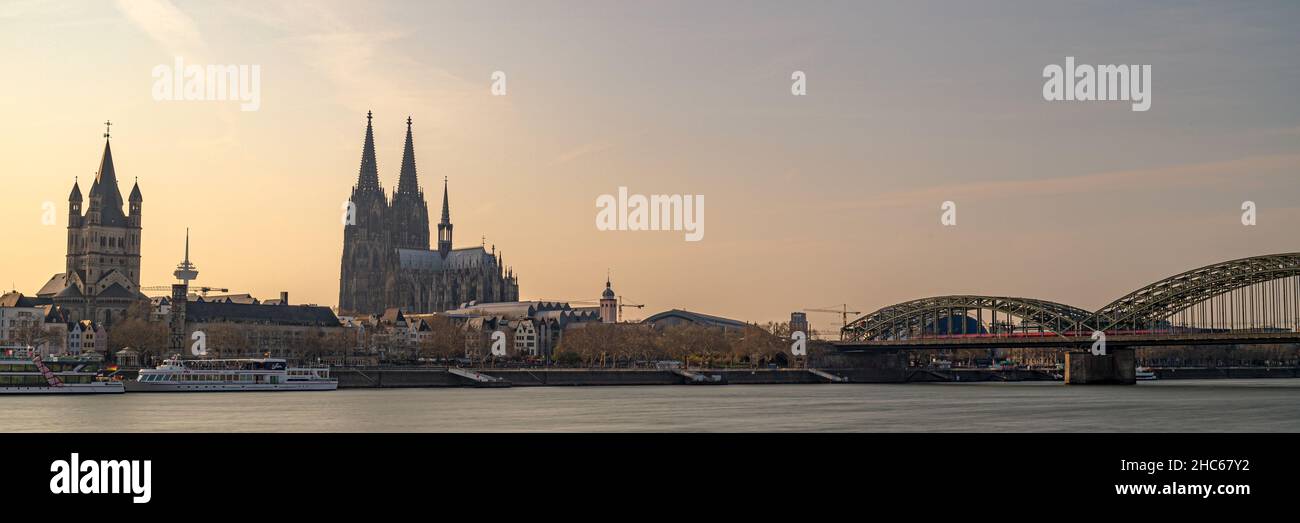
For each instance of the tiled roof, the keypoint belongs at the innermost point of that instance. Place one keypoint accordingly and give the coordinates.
(306, 315)
(57, 283)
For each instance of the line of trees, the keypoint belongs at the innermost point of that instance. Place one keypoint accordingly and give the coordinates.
(624, 345)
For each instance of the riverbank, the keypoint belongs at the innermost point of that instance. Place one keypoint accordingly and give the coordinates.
(442, 377)
(422, 377)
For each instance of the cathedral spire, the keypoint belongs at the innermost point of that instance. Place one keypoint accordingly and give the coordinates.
(369, 175)
(407, 182)
(446, 214)
(444, 226)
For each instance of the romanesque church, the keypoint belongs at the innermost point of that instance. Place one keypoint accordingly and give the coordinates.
(101, 277)
(387, 261)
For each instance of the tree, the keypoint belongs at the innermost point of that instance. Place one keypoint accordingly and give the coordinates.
(445, 340)
(756, 344)
(137, 329)
(32, 333)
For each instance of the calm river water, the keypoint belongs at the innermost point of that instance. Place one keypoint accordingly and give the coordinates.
(1181, 405)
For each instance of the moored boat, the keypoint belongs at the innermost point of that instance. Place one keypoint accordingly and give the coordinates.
(26, 372)
(230, 375)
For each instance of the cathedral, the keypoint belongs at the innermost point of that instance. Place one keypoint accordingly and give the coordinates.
(387, 261)
(102, 275)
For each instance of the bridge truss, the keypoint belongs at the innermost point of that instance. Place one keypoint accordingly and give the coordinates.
(1259, 294)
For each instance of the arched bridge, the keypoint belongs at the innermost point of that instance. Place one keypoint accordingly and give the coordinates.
(1250, 300)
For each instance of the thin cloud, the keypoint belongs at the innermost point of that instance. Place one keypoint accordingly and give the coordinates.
(1177, 176)
(166, 24)
(585, 149)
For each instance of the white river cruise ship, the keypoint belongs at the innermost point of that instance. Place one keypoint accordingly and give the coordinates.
(230, 375)
(23, 371)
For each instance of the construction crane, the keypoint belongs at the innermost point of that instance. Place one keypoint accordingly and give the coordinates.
(621, 304)
(843, 311)
(202, 290)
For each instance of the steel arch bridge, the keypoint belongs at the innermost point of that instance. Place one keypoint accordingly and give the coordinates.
(1260, 294)
(918, 318)
(1149, 306)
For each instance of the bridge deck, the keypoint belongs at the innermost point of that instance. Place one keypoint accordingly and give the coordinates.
(1069, 342)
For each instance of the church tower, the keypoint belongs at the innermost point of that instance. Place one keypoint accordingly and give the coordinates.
(444, 226)
(367, 240)
(409, 215)
(102, 273)
(608, 304)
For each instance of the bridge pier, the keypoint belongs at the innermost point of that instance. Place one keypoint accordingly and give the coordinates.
(1117, 367)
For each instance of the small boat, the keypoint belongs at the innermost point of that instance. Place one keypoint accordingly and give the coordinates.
(230, 375)
(29, 373)
(1145, 374)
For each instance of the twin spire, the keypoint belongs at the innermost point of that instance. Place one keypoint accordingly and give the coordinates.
(368, 179)
(408, 180)
(408, 215)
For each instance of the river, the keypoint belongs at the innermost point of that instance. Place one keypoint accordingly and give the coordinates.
(1264, 405)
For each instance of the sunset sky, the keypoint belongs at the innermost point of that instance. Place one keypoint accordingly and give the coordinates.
(829, 198)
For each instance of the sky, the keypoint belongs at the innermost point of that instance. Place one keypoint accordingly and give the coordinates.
(833, 197)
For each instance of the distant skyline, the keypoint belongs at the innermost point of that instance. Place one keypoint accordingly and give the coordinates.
(812, 201)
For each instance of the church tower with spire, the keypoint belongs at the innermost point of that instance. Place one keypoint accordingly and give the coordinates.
(409, 214)
(367, 237)
(608, 304)
(102, 272)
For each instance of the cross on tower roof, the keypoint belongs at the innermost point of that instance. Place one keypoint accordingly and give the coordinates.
(369, 116)
(108, 126)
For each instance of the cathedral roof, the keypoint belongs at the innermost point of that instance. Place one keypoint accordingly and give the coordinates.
(135, 193)
(427, 260)
(75, 195)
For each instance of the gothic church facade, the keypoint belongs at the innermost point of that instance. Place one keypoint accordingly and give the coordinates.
(387, 261)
